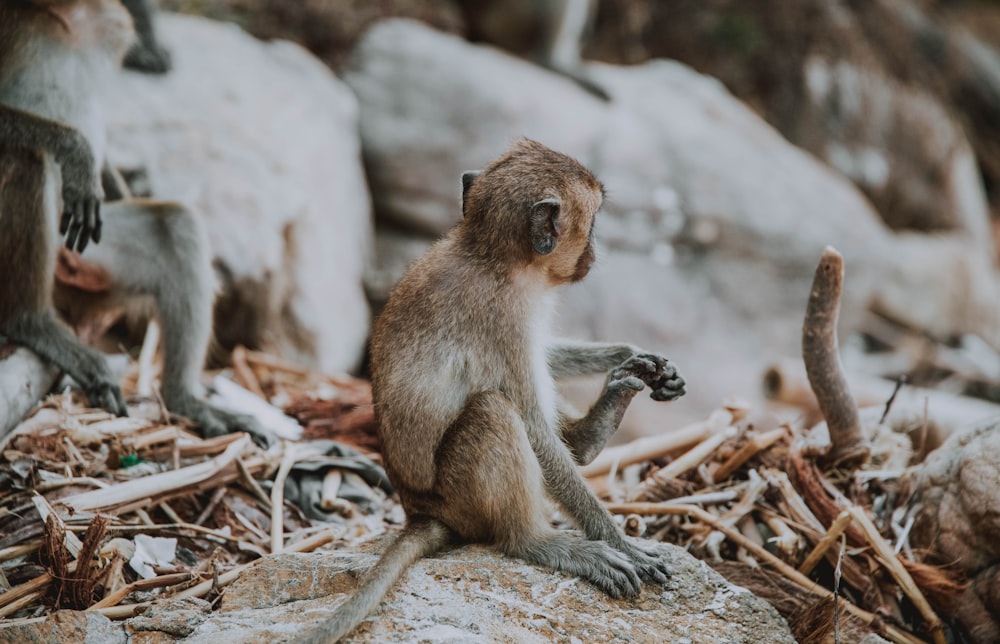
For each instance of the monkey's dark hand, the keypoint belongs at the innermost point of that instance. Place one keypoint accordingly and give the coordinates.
(655, 371)
(96, 380)
(81, 194)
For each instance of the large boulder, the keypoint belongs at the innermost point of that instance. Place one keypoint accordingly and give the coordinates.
(713, 223)
(262, 140)
(469, 595)
(474, 594)
(883, 91)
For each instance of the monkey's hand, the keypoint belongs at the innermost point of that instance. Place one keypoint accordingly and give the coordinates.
(96, 380)
(655, 371)
(81, 193)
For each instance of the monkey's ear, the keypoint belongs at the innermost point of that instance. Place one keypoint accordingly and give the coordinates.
(467, 178)
(544, 225)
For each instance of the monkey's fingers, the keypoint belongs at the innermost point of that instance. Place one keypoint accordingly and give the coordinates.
(628, 384)
(74, 228)
(610, 570)
(648, 562)
(94, 220)
(86, 224)
(108, 395)
(669, 390)
(67, 218)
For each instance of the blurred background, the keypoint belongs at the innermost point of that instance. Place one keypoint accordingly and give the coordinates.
(736, 141)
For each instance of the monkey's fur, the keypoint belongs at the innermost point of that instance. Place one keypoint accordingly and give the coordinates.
(56, 58)
(472, 432)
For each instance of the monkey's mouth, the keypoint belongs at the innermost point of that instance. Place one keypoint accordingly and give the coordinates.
(583, 264)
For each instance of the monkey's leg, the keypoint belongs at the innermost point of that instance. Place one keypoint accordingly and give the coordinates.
(147, 54)
(29, 204)
(159, 249)
(565, 484)
(490, 484)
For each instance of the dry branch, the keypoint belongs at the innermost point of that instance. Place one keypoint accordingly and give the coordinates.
(24, 380)
(157, 484)
(822, 360)
(644, 449)
(893, 633)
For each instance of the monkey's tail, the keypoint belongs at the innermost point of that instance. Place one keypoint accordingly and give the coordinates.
(422, 537)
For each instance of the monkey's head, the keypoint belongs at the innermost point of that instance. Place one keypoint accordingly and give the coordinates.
(533, 208)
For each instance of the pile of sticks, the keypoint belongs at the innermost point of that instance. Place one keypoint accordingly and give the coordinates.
(81, 491)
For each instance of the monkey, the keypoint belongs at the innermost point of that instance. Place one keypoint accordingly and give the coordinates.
(56, 57)
(146, 54)
(549, 32)
(473, 435)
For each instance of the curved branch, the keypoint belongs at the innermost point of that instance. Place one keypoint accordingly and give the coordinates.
(823, 367)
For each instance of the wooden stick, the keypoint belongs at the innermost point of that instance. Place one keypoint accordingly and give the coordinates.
(111, 599)
(644, 449)
(685, 462)
(822, 360)
(278, 498)
(35, 586)
(892, 632)
(754, 446)
(244, 373)
(148, 486)
(15, 606)
(895, 567)
(144, 386)
(831, 536)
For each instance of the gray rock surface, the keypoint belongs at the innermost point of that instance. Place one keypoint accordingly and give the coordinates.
(475, 595)
(957, 511)
(262, 140)
(713, 223)
(467, 595)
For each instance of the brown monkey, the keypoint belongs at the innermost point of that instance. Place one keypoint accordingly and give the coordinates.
(472, 433)
(56, 57)
(548, 32)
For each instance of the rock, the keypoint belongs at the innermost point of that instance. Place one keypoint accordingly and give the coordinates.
(473, 594)
(66, 626)
(262, 140)
(713, 223)
(883, 91)
(957, 510)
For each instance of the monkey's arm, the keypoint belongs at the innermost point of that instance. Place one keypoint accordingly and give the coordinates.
(570, 358)
(587, 436)
(567, 358)
(81, 182)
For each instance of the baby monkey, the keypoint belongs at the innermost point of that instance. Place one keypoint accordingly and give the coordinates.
(472, 431)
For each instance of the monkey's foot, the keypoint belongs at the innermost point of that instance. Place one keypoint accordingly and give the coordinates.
(106, 394)
(656, 371)
(596, 561)
(150, 58)
(216, 422)
(647, 560)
